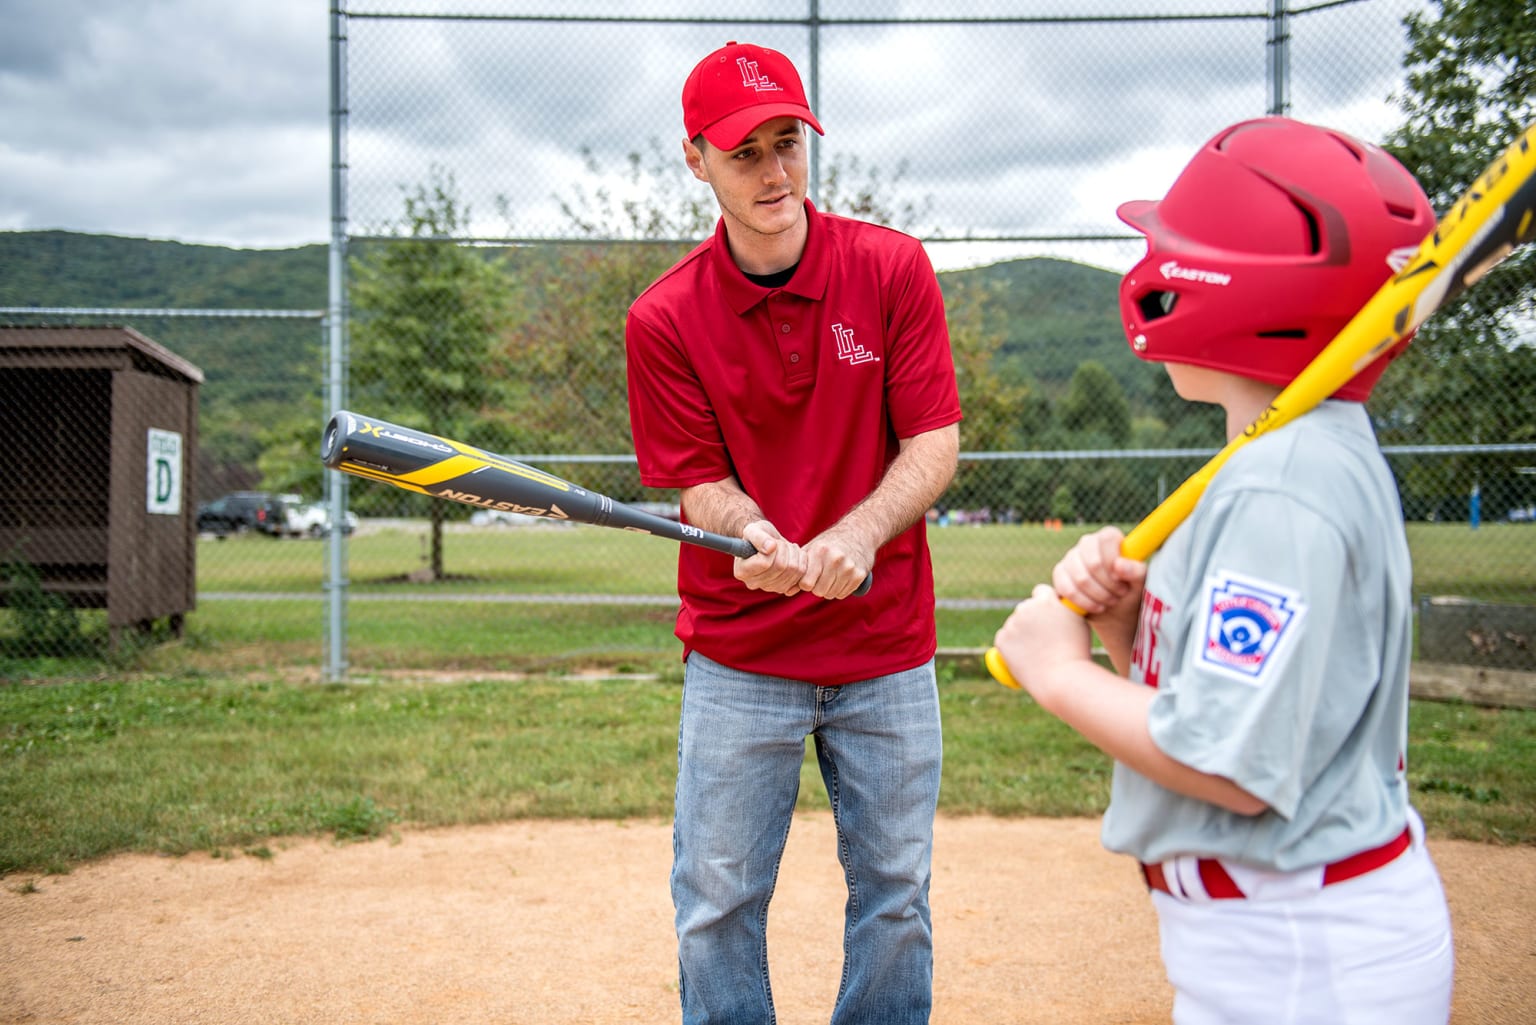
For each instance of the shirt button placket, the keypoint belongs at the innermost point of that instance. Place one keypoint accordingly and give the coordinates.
(790, 344)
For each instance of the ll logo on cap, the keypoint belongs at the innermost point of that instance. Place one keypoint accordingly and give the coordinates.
(754, 79)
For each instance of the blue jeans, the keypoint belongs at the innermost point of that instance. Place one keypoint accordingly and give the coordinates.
(740, 745)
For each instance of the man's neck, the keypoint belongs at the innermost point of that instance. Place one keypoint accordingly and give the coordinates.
(756, 253)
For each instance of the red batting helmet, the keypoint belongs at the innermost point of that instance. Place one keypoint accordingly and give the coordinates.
(1269, 242)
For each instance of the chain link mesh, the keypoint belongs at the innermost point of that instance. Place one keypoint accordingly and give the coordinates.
(513, 180)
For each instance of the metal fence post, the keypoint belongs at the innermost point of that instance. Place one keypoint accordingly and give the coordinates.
(336, 334)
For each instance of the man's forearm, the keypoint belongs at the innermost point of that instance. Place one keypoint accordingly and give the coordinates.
(721, 506)
(911, 485)
(913, 482)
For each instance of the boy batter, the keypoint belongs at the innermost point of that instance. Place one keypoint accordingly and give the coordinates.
(1259, 718)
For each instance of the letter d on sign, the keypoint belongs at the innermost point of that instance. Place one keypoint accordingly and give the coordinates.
(163, 484)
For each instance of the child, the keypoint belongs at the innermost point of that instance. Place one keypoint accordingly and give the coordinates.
(1258, 714)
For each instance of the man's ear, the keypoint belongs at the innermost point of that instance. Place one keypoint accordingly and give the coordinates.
(694, 158)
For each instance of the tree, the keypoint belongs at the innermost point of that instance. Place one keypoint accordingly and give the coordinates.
(1471, 90)
(426, 316)
(1095, 414)
(1467, 377)
(290, 452)
(566, 388)
(848, 188)
(1095, 410)
(1000, 413)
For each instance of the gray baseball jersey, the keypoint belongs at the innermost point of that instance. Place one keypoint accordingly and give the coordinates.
(1276, 628)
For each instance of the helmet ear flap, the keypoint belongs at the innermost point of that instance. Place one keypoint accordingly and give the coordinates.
(1144, 308)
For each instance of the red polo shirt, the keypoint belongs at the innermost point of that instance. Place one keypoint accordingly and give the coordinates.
(802, 392)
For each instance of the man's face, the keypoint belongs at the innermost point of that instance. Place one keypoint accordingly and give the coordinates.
(760, 184)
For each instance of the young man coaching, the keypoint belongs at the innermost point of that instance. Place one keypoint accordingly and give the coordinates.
(792, 377)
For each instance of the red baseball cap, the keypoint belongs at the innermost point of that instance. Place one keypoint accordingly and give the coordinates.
(737, 88)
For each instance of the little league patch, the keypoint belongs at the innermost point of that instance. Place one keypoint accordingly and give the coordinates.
(1246, 622)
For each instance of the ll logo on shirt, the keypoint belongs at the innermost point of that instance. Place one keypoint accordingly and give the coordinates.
(848, 349)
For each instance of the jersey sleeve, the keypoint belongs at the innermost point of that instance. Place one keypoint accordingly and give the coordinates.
(921, 390)
(677, 438)
(1263, 689)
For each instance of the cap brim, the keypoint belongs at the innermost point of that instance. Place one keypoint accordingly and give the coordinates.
(728, 132)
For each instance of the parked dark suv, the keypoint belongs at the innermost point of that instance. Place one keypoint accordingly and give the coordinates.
(242, 511)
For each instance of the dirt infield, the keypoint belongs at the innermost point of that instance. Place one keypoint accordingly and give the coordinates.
(550, 923)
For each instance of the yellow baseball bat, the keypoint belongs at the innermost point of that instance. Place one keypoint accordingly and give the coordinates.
(1496, 214)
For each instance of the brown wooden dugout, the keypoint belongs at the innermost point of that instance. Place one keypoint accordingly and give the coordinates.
(98, 441)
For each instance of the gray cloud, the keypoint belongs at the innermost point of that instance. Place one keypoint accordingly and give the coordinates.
(208, 121)
(185, 119)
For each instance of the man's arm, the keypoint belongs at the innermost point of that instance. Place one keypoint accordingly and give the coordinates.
(840, 557)
(835, 562)
(723, 507)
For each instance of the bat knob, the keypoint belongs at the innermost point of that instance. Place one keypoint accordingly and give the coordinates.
(999, 669)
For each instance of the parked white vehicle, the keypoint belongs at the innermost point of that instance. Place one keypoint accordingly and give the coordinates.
(311, 519)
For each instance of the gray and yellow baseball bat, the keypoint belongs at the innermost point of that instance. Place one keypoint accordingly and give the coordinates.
(1496, 214)
(416, 461)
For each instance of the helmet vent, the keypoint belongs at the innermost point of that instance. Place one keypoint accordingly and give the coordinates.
(1156, 305)
(1314, 231)
(1286, 332)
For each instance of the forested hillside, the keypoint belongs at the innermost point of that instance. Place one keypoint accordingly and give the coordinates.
(62, 268)
(1052, 314)
(265, 376)
(244, 360)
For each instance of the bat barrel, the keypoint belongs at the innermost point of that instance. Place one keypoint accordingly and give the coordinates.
(353, 441)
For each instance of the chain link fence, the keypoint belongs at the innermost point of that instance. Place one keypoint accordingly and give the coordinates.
(507, 181)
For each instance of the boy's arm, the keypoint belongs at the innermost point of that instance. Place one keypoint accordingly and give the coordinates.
(1046, 646)
(1107, 587)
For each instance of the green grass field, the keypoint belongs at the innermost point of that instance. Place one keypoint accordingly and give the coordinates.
(1494, 563)
(222, 763)
(226, 738)
(992, 566)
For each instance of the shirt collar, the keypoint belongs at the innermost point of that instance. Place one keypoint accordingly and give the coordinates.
(809, 282)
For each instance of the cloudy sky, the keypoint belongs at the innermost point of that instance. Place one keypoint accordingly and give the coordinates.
(208, 121)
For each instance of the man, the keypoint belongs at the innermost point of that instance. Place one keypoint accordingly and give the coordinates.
(792, 377)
